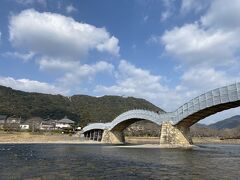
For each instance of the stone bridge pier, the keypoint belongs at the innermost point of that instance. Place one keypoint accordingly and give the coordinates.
(174, 136)
(170, 135)
(113, 137)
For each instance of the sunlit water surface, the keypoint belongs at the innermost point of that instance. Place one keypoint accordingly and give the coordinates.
(78, 161)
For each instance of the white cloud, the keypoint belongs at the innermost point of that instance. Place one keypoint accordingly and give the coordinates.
(193, 5)
(56, 35)
(79, 72)
(194, 45)
(137, 82)
(25, 57)
(206, 78)
(222, 15)
(198, 80)
(31, 85)
(57, 64)
(206, 45)
(110, 45)
(73, 71)
(212, 40)
(70, 9)
(61, 44)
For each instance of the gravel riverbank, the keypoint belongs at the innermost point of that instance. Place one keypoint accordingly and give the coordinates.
(47, 137)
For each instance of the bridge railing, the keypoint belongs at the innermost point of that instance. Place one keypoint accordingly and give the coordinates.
(96, 126)
(211, 98)
(137, 113)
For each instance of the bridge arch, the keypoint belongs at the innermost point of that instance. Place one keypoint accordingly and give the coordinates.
(207, 104)
(124, 120)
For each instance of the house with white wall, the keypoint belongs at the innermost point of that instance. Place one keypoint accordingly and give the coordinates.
(64, 123)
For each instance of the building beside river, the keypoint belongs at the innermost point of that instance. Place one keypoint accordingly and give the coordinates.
(61, 124)
(48, 124)
(14, 123)
(64, 123)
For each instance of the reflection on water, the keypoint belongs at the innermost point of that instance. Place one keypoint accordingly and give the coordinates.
(64, 161)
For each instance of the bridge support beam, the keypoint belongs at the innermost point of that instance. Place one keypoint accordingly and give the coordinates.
(172, 136)
(113, 137)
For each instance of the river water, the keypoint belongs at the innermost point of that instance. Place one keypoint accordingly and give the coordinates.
(79, 161)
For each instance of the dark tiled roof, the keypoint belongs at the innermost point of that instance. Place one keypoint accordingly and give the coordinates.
(48, 122)
(66, 120)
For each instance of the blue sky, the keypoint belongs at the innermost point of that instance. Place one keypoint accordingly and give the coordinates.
(166, 51)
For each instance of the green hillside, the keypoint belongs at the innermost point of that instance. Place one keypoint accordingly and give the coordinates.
(80, 108)
(228, 123)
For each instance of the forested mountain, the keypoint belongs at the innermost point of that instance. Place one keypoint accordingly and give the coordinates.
(227, 128)
(228, 123)
(80, 108)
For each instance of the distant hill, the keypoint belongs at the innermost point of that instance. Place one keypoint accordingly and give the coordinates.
(227, 128)
(199, 125)
(228, 123)
(80, 108)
